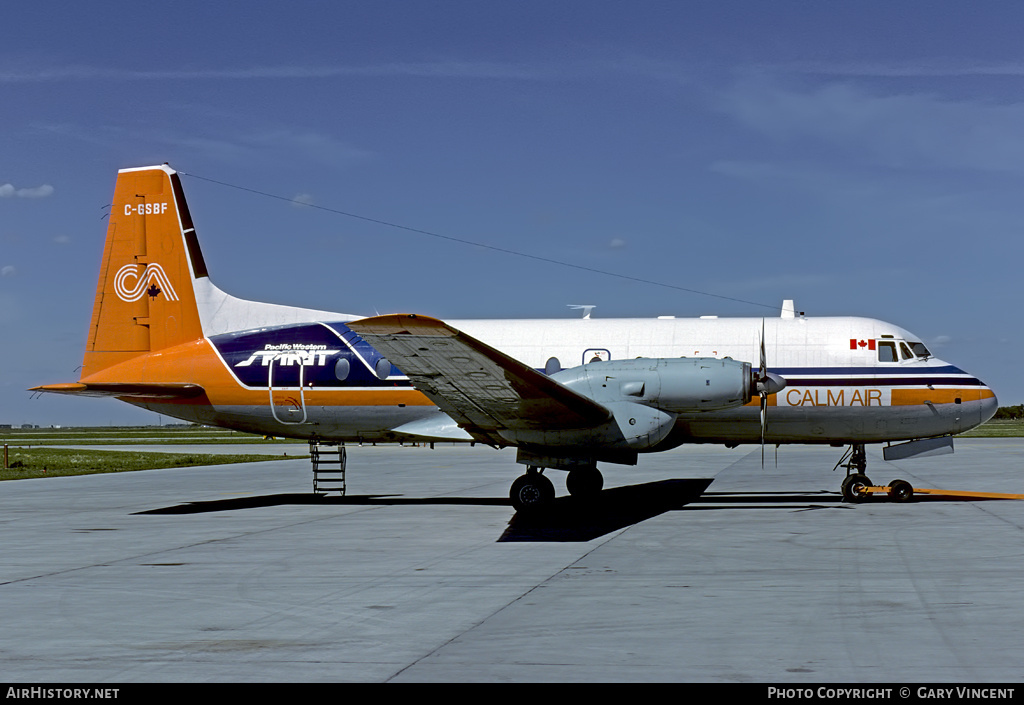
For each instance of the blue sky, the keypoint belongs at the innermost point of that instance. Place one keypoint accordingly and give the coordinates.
(862, 158)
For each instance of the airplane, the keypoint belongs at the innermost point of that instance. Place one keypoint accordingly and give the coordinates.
(566, 393)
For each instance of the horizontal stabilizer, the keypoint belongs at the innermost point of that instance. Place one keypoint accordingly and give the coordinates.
(143, 391)
(482, 389)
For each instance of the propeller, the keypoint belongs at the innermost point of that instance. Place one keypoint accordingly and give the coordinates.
(766, 383)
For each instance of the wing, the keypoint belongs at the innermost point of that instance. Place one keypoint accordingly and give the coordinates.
(482, 389)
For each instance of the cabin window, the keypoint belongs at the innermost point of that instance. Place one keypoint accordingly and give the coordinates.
(887, 352)
(905, 352)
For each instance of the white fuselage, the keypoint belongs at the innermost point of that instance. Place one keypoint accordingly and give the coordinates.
(848, 380)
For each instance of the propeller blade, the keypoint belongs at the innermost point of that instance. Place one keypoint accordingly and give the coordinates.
(766, 383)
(764, 423)
(764, 357)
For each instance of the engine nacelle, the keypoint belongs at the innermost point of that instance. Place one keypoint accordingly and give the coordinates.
(674, 385)
(632, 427)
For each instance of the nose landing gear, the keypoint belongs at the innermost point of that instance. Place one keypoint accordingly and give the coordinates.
(856, 487)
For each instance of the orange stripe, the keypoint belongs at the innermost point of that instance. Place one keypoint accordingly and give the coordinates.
(756, 401)
(197, 363)
(914, 397)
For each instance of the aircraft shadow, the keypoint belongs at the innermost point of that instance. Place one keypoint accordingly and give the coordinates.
(281, 500)
(567, 519)
(573, 519)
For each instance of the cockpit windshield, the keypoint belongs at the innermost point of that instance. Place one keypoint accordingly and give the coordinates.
(920, 350)
(897, 350)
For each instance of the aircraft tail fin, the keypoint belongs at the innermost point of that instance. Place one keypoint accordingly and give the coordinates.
(145, 297)
(154, 291)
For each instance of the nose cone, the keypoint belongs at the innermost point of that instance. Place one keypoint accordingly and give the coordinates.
(973, 402)
(978, 406)
(989, 405)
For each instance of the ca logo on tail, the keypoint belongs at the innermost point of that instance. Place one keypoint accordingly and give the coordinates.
(132, 286)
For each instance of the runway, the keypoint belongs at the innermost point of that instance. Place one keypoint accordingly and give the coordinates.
(698, 565)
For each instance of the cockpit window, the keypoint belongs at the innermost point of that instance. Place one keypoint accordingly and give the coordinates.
(905, 352)
(920, 350)
(886, 352)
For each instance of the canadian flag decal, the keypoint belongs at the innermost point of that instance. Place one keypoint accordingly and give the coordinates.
(856, 344)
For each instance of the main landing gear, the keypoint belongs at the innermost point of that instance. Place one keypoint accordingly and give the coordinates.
(531, 491)
(534, 491)
(856, 487)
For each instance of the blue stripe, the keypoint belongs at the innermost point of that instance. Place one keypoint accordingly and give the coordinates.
(876, 370)
(884, 381)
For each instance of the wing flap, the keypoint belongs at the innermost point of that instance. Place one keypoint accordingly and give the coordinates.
(481, 388)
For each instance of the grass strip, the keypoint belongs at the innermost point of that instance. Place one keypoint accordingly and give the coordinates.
(25, 463)
(997, 428)
(108, 435)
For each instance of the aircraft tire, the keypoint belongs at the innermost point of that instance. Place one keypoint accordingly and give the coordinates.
(584, 483)
(851, 485)
(531, 491)
(900, 491)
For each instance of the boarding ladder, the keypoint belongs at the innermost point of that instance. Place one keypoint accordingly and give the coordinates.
(328, 467)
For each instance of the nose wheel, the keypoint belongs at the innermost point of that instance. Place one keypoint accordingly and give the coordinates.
(855, 482)
(854, 487)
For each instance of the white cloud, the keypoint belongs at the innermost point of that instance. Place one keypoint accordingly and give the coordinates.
(435, 69)
(894, 130)
(617, 243)
(806, 175)
(303, 199)
(8, 271)
(275, 145)
(9, 191)
(312, 145)
(907, 69)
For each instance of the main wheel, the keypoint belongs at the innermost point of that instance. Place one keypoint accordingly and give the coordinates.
(853, 485)
(584, 483)
(531, 491)
(900, 491)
